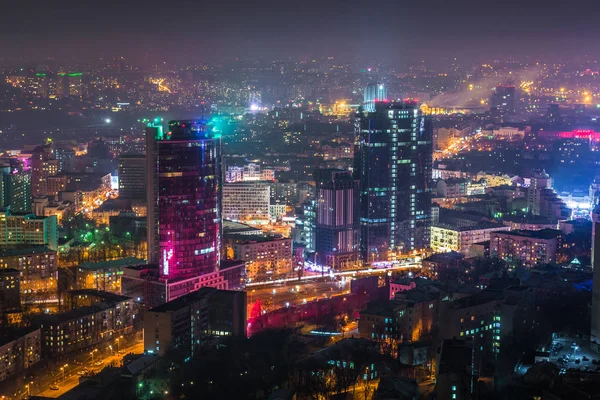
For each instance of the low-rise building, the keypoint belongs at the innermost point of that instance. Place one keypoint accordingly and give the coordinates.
(37, 268)
(530, 248)
(108, 317)
(10, 292)
(446, 237)
(264, 256)
(410, 317)
(104, 275)
(19, 350)
(246, 202)
(452, 188)
(183, 324)
(142, 283)
(28, 229)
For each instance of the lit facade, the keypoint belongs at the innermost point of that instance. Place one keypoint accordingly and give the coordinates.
(86, 326)
(337, 225)
(10, 291)
(446, 238)
(184, 199)
(246, 202)
(263, 256)
(393, 164)
(186, 322)
(132, 177)
(530, 248)
(20, 352)
(28, 229)
(38, 271)
(15, 188)
(43, 165)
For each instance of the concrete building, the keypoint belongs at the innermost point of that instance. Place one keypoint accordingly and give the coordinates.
(446, 237)
(15, 187)
(38, 270)
(43, 165)
(132, 176)
(87, 325)
(28, 229)
(143, 283)
(184, 324)
(19, 350)
(10, 292)
(508, 133)
(410, 317)
(264, 256)
(530, 248)
(246, 202)
(105, 275)
(452, 188)
(248, 173)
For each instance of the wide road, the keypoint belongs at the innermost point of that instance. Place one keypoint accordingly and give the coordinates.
(72, 378)
(315, 276)
(289, 294)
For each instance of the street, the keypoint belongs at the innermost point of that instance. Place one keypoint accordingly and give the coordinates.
(70, 373)
(290, 294)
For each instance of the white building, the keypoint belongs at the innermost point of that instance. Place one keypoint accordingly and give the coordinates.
(246, 202)
(445, 238)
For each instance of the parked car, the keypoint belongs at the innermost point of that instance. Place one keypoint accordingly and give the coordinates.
(54, 387)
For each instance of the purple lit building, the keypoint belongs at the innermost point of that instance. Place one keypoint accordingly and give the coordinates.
(184, 204)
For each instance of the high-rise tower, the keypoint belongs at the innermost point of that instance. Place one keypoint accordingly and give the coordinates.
(184, 199)
(393, 163)
(595, 331)
(337, 228)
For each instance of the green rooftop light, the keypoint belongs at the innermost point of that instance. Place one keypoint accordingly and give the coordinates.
(75, 74)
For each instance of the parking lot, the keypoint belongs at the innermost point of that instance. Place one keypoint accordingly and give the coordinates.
(574, 354)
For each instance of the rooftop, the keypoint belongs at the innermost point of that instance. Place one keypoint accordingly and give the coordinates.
(541, 234)
(123, 262)
(73, 314)
(183, 301)
(24, 251)
(108, 296)
(479, 226)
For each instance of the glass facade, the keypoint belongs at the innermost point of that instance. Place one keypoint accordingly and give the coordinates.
(188, 208)
(337, 227)
(393, 163)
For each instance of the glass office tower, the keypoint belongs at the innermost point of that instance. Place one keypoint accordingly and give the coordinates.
(393, 163)
(184, 199)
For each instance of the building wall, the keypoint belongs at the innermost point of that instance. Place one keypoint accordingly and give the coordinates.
(246, 201)
(132, 177)
(38, 272)
(20, 354)
(272, 257)
(444, 239)
(393, 165)
(66, 333)
(27, 229)
(530, 251)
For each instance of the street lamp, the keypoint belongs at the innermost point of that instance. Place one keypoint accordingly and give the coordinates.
(92, 354)
(63, 369)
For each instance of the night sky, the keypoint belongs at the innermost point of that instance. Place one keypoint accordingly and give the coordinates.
(180, 30)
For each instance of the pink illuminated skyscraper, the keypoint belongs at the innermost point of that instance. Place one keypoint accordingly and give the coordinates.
(184, 199)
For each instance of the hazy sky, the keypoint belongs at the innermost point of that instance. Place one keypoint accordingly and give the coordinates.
(205, 30)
